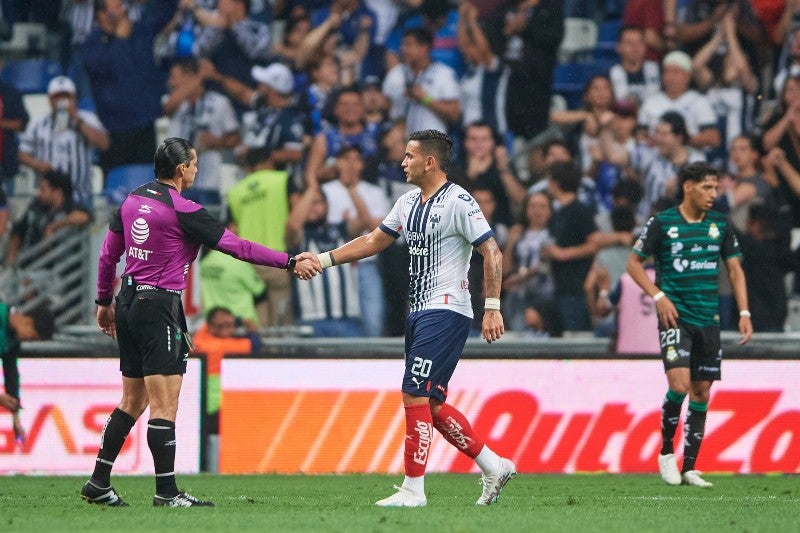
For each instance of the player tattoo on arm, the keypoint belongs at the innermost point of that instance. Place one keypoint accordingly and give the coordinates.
(492, 267)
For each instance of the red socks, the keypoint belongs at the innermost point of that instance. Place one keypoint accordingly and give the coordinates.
(456, 429)
(419, 436)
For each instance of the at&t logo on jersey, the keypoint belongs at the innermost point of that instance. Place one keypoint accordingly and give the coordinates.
(140, 232)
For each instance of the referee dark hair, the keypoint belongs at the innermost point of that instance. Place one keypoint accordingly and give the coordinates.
(160, 233)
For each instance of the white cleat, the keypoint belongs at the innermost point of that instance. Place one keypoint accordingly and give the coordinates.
(403, 498)
(692, 477)
(493, 484)
(668, 467)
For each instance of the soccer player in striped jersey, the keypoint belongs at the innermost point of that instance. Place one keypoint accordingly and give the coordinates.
(442, 224)
(688, 242)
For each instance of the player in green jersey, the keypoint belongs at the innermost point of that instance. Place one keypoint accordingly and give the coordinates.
(687, 243)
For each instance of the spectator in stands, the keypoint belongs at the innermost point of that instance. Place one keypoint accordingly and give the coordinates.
(527, 279)
(329, 303)
(485, 199)
(376, 105)
(672, 151)
(423, 91)
(125, 81)
(51, 210)
(766, 259)
(598, 100)
(626, 192)
(557, 151)
(259, 206)
(485, 165)
(485, 79)
(65, 140)
(345, 195)
(16, 327)
(609, 263)
(13, 119)
(658, 32)
(288, 48)
(573, 246)
(527, 35)
(228, 282)
(612, 156)
(722, 71)
(635, 318)
(698, 115)
(275, 124)
(746, 185)
(215, 339)
(348, 129)
(324, 74)
(635, 76)
(206, 118)
(231, 38)
(696, 22)
(181, 37)
(441, 19)
(350, 26)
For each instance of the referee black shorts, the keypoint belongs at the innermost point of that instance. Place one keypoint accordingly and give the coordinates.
(151, 333)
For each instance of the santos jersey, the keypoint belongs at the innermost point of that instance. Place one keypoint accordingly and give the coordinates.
(440, 233)
(687, 261)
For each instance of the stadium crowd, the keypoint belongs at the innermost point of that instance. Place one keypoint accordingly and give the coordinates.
(313, 101)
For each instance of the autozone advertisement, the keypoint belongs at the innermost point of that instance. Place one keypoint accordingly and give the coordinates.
(324, 416)
(66, 403)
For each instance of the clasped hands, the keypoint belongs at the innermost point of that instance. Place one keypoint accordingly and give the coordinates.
(307, 266)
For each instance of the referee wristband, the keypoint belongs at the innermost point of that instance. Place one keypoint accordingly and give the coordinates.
(326, 259)
(492, 304)
(744, 313)
(657, 296)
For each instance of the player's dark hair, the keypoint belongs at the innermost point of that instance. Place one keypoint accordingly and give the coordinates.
(753, 140)
(566, 175)
(344, 150)
(421, 35)
(172, 152)
(696, 172)
(676, 123)
(44, 321)
(437, 144)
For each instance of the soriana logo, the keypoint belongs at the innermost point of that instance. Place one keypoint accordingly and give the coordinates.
(317, 416)
(66, 403)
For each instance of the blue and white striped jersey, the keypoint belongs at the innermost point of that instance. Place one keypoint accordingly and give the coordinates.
(440, 234)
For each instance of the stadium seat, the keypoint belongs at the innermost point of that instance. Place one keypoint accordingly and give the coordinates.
(580, 38)
(37, 105)
(30, 75)
(123, 179)
(609, 31)
(27, 39)
(569, 80)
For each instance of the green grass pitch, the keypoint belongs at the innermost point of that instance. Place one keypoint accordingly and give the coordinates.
(569, 503)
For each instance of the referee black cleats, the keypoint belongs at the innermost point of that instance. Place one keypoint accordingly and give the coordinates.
(183, 499)
(101, 496)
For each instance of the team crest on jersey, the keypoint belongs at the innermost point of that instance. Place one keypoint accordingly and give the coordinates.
(713, 231)
(672, 232)
(638, 245)
(435, 219)
(672, 355)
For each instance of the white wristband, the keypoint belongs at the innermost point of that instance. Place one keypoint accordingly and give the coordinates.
(492, 304)
(325, 259)
(657, 296)
(744, 313)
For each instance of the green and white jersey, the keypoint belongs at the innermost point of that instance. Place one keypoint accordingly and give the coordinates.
(687, 257)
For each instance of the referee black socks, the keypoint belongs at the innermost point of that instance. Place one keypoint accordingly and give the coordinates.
(161, 440)
(115, 432)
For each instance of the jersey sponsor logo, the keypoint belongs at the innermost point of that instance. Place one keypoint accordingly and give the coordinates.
(146, 209)
(680, 264)
(155, 193)
(676, 247)
(456, 433)
(713, 231)
(425, 432)
(417, 382)
(139, 253)
(672, 232)
(140, 231)
(715, 247)
(697, 248)
(702, 265)
(467, 198)
(418, 250)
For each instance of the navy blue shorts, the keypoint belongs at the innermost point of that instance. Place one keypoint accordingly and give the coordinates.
(434, 342)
